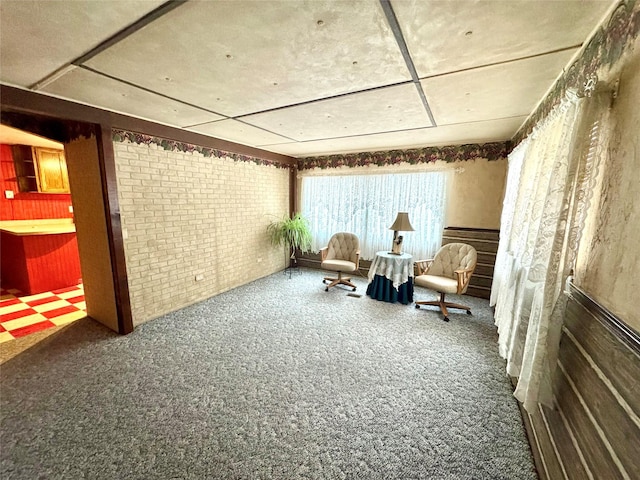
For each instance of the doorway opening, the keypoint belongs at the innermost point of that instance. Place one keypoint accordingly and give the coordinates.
(86, 208)
(41, 276)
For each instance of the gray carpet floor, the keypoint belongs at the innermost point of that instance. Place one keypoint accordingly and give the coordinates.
(277, 379)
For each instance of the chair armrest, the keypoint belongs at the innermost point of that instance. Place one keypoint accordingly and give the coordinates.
(464, 275)
(423, 265)
(323, 254)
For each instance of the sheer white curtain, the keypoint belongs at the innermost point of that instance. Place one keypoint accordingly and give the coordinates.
(367, 205)
(543, 213)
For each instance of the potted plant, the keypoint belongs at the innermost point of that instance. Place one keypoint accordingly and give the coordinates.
(293, 232)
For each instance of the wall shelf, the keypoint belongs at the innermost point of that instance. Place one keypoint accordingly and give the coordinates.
(39, 169)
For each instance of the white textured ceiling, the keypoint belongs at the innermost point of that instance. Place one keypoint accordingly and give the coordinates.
(13, 136)
(301, 78)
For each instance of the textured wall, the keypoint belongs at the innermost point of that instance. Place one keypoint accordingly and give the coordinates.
(613, 263)
(475, 194)
(185, 215)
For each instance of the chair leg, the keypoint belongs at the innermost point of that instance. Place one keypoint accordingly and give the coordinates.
(338, 281)
(443, 306)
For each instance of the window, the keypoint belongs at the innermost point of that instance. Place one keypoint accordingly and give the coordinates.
(368, 204)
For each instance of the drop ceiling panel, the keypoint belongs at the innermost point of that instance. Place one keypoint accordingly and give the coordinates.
(94, 89)
(39, 37)
(328, 73)
(385, 109)
(479, 132)
(242, 57)
(449, 36)
(239, 132)
(500, 91)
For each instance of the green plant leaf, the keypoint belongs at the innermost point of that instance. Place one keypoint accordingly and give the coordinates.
(293, 232)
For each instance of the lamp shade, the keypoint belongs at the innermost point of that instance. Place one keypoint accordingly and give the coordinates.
(402, 223)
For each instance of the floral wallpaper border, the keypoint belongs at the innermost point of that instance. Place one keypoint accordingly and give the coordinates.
(414, 156)
(603, 50)
(139, 138)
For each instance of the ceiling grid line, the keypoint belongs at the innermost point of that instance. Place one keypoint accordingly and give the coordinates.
(130, 30)
(504, 62)
(314, 78)
(322, 99)
(402, 44)
(112, 40)
(148, 90)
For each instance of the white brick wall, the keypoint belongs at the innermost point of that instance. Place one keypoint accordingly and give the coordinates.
(184, 215)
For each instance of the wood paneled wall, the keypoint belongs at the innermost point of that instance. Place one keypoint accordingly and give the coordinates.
(27, 205)
(486, 244)
(39, 263)
(594, 429)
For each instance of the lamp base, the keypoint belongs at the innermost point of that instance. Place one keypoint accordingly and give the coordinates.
(396, 248)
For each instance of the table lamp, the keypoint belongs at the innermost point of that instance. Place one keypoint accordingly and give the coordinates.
(401, 224)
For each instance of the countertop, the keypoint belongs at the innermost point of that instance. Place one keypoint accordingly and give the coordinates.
(48, 226)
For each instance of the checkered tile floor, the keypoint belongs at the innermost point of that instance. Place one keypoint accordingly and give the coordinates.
(22, 315)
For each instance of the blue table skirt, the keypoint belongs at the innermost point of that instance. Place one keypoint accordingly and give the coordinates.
(381, 288)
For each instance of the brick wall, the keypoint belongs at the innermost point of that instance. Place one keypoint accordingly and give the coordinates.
(185, 215)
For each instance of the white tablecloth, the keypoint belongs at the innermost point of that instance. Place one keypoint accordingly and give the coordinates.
(397, 268)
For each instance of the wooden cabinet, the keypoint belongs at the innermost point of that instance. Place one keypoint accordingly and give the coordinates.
(25, 168)
(39, 263)
(40, 169)
(51, 170)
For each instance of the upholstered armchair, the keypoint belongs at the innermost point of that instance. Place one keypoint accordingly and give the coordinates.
(448, 272)
(342, 254)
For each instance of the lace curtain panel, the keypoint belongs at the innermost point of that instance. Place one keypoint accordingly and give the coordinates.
(544, 210)
(367, 205)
